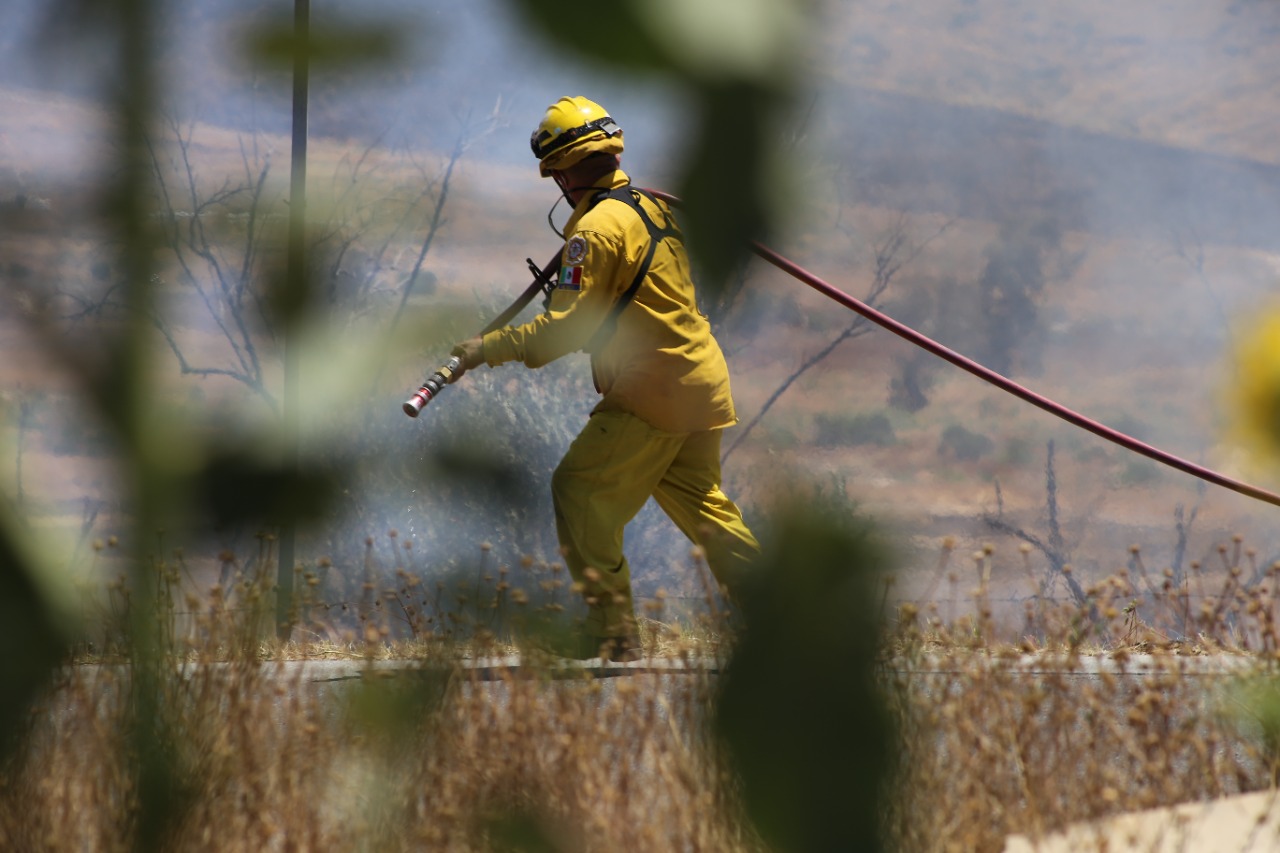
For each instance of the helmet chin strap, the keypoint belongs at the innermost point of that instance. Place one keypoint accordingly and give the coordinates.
(566, 194)
(562, 183)
(551, 222)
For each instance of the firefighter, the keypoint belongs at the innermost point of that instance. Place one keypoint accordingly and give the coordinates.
(624, 295)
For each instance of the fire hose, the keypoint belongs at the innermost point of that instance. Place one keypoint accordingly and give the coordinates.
(543, 281)
(929, 345)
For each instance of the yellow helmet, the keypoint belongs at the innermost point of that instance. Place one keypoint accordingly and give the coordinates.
(572, 129)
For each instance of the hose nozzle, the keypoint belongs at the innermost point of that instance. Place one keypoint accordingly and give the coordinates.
(434, 384)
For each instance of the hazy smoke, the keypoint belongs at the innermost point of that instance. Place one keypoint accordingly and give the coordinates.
(1111, 214)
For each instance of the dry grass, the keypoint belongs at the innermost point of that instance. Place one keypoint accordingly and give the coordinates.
(1099, 708)
(1083, 711)
(262, 753)
(266, 760)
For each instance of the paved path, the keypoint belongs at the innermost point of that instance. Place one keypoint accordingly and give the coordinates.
(1032, 666)
(490, 669)
(1248, 823)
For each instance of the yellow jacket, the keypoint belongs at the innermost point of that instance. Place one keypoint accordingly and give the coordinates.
(662, 363)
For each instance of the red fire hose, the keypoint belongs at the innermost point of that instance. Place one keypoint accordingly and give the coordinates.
(1004, 383)
(1009, 385)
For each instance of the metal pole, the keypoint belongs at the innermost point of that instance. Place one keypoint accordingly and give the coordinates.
(296, 273)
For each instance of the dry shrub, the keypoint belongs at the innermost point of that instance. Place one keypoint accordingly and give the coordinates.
(1094, 712)
(1087, 712)
(267, 759)
(452, 747)
(618, 764)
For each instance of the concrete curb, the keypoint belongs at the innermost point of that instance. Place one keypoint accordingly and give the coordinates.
(1247, 823)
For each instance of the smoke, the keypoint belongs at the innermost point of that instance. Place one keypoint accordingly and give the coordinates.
(1091, 201)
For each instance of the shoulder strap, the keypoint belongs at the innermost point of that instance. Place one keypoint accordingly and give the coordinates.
(631, 196)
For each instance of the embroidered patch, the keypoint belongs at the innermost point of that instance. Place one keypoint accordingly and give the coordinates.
(575, 251)
(570, 278)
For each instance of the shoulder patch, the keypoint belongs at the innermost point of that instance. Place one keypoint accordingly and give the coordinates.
(575, 251)
(570, 278)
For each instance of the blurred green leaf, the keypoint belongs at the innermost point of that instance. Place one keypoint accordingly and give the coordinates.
(238, 485)
(625, 42)
(331, 44)
(727, 39)
(478, 461)
(518, 833)
(28, 629)
(288, 299)
(707, 41)
(1255, 701)
(799, 709)
(726, 198)
(392, 705)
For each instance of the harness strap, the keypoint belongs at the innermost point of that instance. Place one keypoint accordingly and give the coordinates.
(631, 196)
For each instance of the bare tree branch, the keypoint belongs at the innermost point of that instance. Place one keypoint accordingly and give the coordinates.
(436, 221)
(1054, 547)
(1190, 249)
(889, 258)
(224, 285)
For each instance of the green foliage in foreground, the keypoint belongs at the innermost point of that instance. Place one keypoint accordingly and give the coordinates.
(799, 707)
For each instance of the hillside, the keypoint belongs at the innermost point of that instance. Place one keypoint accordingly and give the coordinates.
(1122, 155)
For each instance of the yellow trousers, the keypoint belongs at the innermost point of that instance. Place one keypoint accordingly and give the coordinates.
(614, 465)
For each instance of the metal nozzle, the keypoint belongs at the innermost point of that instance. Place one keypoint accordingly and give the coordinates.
(415, 403)
(442, 377)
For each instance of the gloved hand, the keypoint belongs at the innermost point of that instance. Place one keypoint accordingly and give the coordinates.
(471, 351)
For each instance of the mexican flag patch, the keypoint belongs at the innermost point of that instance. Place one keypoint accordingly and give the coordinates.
(570, 278)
